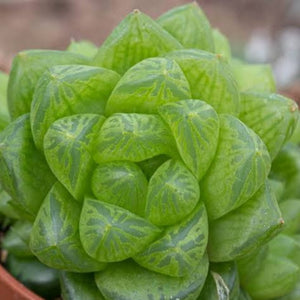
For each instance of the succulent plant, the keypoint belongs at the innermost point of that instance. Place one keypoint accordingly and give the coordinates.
(157, 164)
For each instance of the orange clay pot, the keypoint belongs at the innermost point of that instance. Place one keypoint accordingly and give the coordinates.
(11, 289)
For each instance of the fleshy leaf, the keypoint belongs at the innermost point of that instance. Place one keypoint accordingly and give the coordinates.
(245, 296)
(69, 90)
(133, 137)
(150, 165)
(27, 68)
(246, 228)
(295, 138)
(148, 85)
(189, 25)
(255, 77)
(293, 295)
(68, 146)
(111, 233)
(239, 169)
(24, 175)
(135, 282)
(137, 37)
(6, 205)
(195, 127)
(122, 184)
(180, 247)
(76, 286)
(85, 48)
(288, 246)
(214, 288)
(173, 193)
(286, 168)
(291, 214)
(278, 188)
(222, 282)
(16, 240)
(222, 45)
(4, 115)
(275, 276)
(210, 78)
(55, 237)
(273, 117)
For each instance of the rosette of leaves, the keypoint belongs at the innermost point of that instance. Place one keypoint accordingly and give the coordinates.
(146, 165)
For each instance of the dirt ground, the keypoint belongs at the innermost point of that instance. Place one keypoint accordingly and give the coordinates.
(26, 24)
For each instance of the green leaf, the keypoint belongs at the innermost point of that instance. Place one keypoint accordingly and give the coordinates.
(222, 45)
(6, 207)
(278, 188)
(122, 184)
(245, 296)
(286, 168)
(77, 286)
(133, 137)
(214, 288)
(229, 272)
(246, 228)
(55, 237)
(273, 117)
(150, 165)
(180, 247)
(27, 68)
(16, 240)
(127, 281)
(254, 77)
(189, 25)
(137, 37)
(295, 138)
(291, 214)
(4, 115)
(68, 146)
(288, 246)
(239, 169)
(210, 78)
(195, 127)
(276, 276)
(293, 295)
(222, 282)
(34, 275)
(148, 85)
(24, 175)
(69, 90)
(110, 233)
(250, 265)
(173, 193)
(85, 48)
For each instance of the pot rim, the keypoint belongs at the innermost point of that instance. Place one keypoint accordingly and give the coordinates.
(11, 289)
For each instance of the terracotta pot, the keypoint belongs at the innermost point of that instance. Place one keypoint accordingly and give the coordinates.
(11, 289)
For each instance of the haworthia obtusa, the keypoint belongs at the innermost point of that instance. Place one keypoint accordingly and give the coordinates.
(240, 167)
(189, 25)
(195, 127)
(69, 90)
(110, 233)
(137, 37)
(148, 85)
(173, 193)
(68, 148)
(55, 237)
(121, 183)
(27, 68)
(180, 246)
(210, 78)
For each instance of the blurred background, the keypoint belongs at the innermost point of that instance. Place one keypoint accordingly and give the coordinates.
(261, 31)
